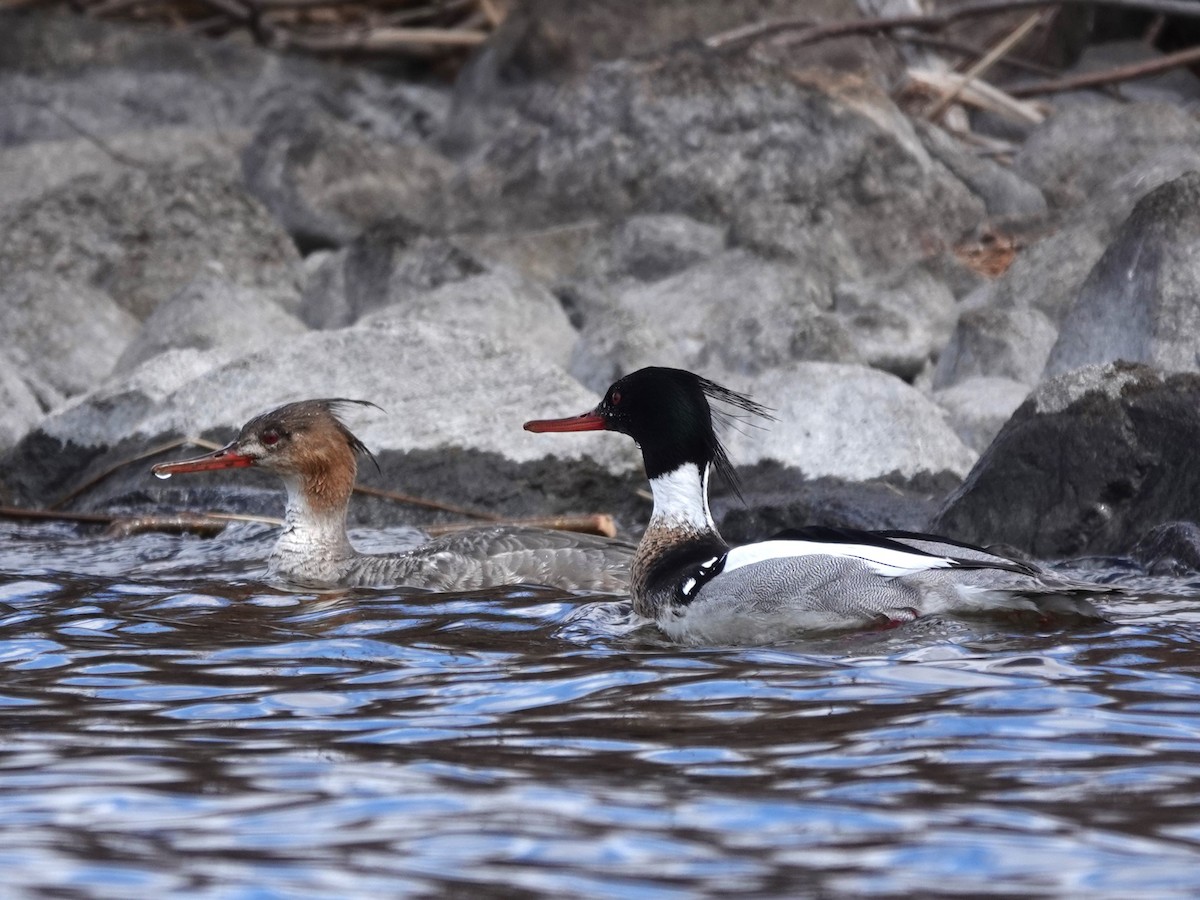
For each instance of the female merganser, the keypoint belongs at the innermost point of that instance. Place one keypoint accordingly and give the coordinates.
(700, 590)
(315, 454)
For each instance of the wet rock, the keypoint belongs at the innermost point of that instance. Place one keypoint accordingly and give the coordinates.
(67, 335)
(211, 313)
(142, 236)
(388, 264)
(1088, 464)
(1171, 549)
(978, 407)
(848, 422)
(897, 323)
(19, 407)
(1010, 343)
(1139, 302)
(326, 179)
(1085, 146)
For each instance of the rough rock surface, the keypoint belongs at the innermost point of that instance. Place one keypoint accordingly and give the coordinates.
(1088, 464)
(978, 407)
(66, 335)
(210, 313)
(327, 180)
(1078, 152)
(144, 235)
(443, 393)
(21, 408)
(1004, 342)
(849, 422)
(385, 265)
(609, 143)
(1140, 301)
(897, 323)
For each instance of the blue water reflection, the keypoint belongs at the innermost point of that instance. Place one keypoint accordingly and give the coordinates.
(172, 725)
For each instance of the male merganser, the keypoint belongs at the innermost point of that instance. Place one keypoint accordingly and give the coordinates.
(701, 590)
(315, 454)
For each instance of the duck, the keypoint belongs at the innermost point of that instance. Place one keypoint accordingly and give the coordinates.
(311, 449)
(699, 589)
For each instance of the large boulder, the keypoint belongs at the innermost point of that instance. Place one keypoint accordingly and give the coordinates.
(1140, 301)
(718, 138)
(1088, 464)
(211, 313)
(1085, 146)
(453, 407)
(849, 422)
(327, 179)
(144, 235)
(387, 264)
(66, 335)
(996, 342)
(19, 407)
(781, 314)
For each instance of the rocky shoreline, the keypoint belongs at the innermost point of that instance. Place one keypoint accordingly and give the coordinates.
(196, 231)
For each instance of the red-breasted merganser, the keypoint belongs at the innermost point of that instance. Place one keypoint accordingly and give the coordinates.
(315, 454)
(701, 590)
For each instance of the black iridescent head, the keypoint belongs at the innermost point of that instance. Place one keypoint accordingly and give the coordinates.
(667, 412)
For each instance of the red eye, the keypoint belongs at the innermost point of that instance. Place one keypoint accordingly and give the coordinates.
(615, 399)
(270, 438)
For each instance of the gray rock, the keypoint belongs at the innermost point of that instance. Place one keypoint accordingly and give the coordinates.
(706, 136)
(650, 248)
(327, 180)
(777, 318)
(63, 76)
(1140, 301)
(19, 407)
(500, 304)
(549, 255)
(897, 323)
(849, 422)
(978, 407)
(142, 236)
(1011, 343)
(1004, 193)
(454, 403)
(1171, 549)
(388, 264)
(1084, 147)
(1046, 275)
(1088, 464)
(210, 313)
(67, 335)
(619, 341)
(28, 170)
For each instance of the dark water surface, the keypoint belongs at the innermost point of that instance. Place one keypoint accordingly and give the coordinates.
(172, 725)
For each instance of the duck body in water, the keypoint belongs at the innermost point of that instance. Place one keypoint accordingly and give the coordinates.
(701, 590)
(308, 446)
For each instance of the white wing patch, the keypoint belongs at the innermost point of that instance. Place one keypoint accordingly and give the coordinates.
(882, 560)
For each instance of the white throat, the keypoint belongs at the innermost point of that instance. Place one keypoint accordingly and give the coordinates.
(681, 499)
(308, 536)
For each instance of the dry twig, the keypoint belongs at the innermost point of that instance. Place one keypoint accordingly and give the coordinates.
(1131, 72)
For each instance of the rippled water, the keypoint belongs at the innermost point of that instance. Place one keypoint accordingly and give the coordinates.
(173, 725)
